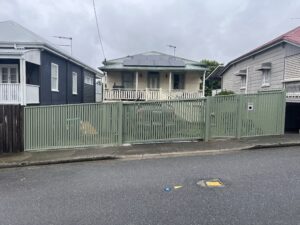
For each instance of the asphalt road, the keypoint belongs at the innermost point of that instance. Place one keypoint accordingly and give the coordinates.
(261, 187)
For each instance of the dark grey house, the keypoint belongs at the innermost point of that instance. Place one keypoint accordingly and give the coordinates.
(34, 71)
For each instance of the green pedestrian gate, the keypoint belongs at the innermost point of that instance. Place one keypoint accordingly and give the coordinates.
(247, 115)
(84, 125)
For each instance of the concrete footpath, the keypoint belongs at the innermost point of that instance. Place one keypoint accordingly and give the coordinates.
(146, 151)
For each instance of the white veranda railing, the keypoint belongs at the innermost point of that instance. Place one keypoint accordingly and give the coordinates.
(149, 94)
(11, 93)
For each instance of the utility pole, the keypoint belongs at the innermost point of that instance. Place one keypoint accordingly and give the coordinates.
(174, 48)
(66, 38)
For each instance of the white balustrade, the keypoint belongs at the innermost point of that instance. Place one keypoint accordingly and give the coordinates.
(293, 96)
(149, 94)
(10, 93)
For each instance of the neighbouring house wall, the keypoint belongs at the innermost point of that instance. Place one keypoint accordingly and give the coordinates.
(292, 64)
(73, 98)
(192, 80)
(47, 96)
(89, 91)
(274, 55)
(64, 95)
(291, 50)
(292, 67)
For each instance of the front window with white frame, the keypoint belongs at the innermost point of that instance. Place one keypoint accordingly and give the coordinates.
(9, 73)
(54, 77)
(266, 76)
(243, 82)
(74, 83)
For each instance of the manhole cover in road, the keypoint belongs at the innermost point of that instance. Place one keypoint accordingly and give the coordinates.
(211, 183)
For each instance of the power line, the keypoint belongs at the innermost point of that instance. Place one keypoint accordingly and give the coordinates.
(98, 29)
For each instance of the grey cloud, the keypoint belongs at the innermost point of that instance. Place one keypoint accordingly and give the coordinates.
(215, 29)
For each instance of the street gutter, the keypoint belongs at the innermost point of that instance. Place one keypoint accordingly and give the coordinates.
(146, 156)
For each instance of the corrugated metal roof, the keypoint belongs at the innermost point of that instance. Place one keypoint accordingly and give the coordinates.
(13, 33)
(152, 61)
(216, 73)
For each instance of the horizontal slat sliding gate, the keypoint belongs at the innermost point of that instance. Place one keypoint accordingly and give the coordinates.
(65, 126)
(163, 120)
(83, 125)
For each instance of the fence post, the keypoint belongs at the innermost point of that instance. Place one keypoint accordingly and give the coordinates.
(120, 123)
(283, 111)
(207, 119)
(239, 116)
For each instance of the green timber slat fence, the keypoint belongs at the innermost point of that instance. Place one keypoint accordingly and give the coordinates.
(83, 125)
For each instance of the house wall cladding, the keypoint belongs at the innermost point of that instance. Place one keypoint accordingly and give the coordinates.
(89, 90)
(64, 95)
(274, 55)
(292, 67)
(83, 125)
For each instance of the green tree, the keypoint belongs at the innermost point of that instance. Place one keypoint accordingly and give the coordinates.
(213, 83)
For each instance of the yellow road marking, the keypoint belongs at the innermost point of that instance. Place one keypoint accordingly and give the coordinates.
(177, 187)
(214, 184)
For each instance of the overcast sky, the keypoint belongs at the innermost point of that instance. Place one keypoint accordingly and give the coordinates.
(210, 29)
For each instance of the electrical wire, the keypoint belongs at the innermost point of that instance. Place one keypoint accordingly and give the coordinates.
(98, 29)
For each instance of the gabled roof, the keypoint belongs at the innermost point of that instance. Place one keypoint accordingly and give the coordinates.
(13, 33)
(152, 60)
(292, 37)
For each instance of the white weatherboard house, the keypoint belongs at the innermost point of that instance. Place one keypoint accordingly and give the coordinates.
(152, 76)
(274, 65)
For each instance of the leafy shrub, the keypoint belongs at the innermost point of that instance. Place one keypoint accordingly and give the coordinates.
(225, 92)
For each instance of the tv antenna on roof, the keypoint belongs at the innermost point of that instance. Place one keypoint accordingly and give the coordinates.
(174, 48)
(67, 38)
